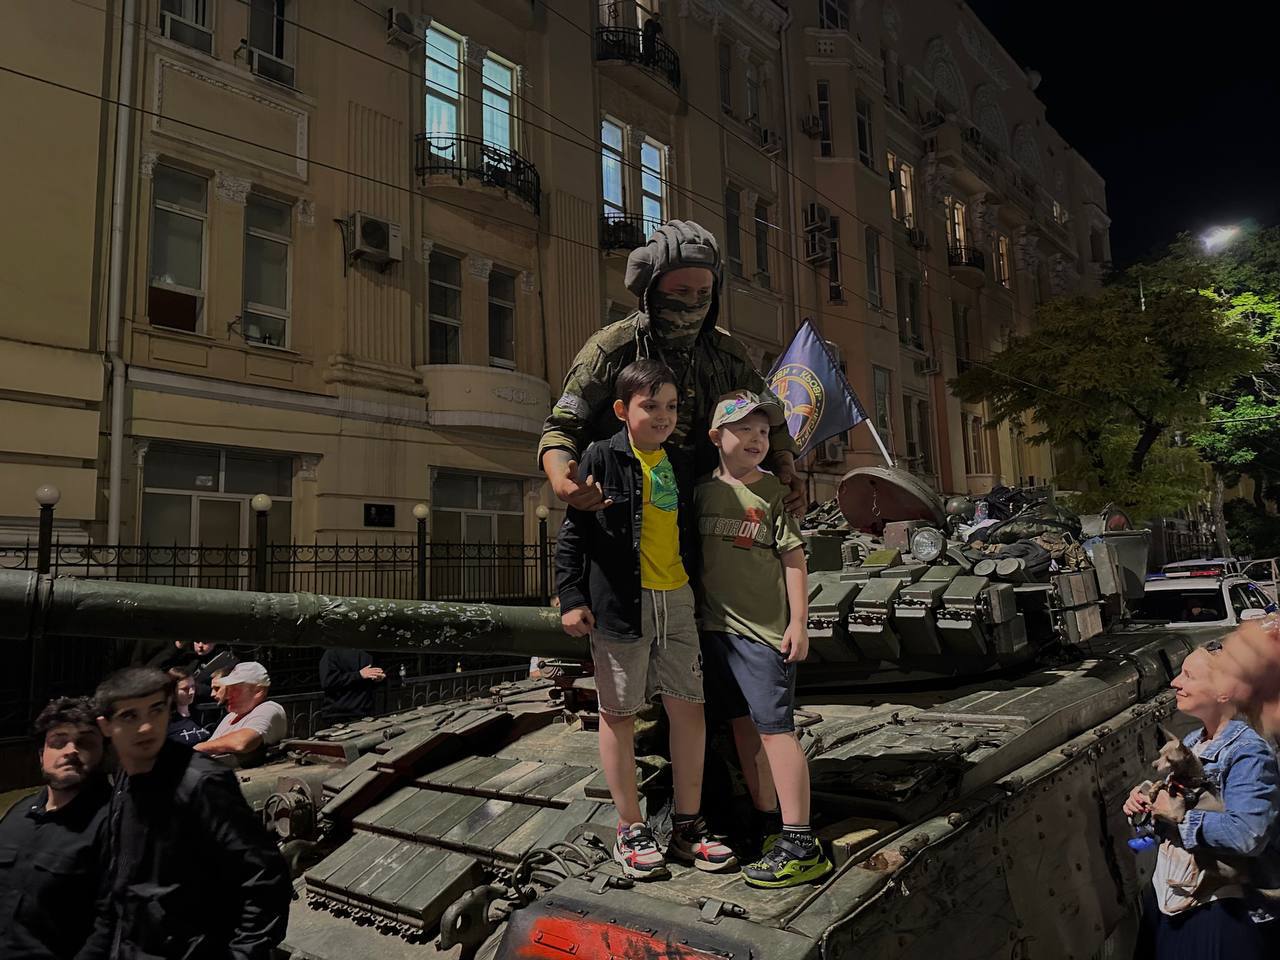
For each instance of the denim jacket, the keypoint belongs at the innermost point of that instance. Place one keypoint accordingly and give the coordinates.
(1242, 766)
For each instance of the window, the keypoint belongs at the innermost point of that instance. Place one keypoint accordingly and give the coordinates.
(900, 84)
(975, 452)
(178, 210)
(726, 78)
(866, 148)
(188, 23)
(444, 70)
(874, 294)
(918, 434)
(497, 81)
(880, 385)
(652, 185)
(611, 168)
(762, 244)
(444, 338)
(485, 514)
(502, 319)
(824, 118)
(1097, 246)
(1004, 275)
(1059, 212)
(956, 211)
(960, 330)
(199, 496)
(901, 196)
(266, 27)
(833, 14)
(268, 237)
(753, 94)
(908, 290)
(835, 292)
(733, 230)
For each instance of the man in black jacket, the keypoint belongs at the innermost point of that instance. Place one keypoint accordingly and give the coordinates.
(348, 678)
(53, 844)
(194, 874)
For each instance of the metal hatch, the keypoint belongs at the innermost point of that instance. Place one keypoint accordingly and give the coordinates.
(870, 497)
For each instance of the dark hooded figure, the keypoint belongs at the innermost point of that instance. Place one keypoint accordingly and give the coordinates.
(676, 279)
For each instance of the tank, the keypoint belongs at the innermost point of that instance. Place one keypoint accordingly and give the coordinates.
(973, 717)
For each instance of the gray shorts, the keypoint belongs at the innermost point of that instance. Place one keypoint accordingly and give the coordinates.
(665, 661)
(749, 678)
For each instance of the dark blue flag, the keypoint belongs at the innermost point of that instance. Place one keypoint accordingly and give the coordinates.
(816, 396)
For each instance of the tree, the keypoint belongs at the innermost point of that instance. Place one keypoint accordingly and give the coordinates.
(1112, 381)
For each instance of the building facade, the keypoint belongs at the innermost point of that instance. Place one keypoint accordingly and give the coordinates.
(343, 254)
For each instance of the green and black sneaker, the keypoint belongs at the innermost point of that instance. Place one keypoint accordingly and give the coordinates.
(787, 864)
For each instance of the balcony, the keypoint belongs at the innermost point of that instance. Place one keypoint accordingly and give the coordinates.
(488, 399)
(623, 231)
(968, 265)
(469, 160)
(627, 44)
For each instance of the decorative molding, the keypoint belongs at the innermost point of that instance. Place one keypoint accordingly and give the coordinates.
(308, 465)
(743, 50)
(1026, 150)
(231, 188)
(307, 212)
(940, 67)
(637, 138)
(475, 52)
(1026, 249)
(527, 281)
(985, 216)
(989, 117)
(937, 180)
(704, 12)
(978, 47)
(147, 164)
(891, 20)
(480, 267)
(1062, 277)
(425, 247)
(764, 13)
(140, 448)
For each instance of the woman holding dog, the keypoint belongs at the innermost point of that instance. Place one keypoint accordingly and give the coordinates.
(1193, 909)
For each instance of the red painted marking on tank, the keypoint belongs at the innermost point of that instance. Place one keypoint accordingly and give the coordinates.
(557, 938)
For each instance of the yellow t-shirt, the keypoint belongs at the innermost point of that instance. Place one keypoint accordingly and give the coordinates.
(660, 564)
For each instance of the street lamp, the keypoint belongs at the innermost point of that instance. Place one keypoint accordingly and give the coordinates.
(1216, 238)
(544, 555)
(261, 505)
(420, 513)
(47, 495)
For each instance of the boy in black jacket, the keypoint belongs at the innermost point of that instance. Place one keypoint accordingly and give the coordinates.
(622, 576)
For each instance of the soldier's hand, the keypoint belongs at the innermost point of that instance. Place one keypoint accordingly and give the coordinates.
(790, 477)
(1139, 801)
(587, 495)
(578, 622)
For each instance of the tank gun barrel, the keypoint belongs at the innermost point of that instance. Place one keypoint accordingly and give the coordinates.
(41, 606)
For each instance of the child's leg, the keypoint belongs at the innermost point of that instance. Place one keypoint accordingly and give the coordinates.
(790, 775)
(688, 732)
(755, 764)
(618, 757)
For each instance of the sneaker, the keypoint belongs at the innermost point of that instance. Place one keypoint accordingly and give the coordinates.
(694, 844)
(637, 853)
(787, 864)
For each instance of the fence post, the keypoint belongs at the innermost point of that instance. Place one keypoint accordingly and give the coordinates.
(47, 496)
(261, 505)
(420, 512)
(544, 573)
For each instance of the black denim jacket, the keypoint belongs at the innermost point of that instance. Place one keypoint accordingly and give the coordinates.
(598, 553)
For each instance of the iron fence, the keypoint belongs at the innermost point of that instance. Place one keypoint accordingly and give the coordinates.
(631, 44)
(472, 158)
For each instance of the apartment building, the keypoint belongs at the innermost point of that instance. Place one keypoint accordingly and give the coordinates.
(344, 253)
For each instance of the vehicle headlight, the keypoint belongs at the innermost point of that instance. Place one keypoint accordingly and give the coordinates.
(928, 544)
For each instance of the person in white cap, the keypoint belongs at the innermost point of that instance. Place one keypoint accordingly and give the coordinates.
(253, 723)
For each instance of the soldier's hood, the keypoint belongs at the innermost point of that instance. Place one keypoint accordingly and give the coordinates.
(675, 244)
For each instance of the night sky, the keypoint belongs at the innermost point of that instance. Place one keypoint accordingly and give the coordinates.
(1177, 108)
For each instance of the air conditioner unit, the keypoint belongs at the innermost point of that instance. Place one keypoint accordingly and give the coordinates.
(270, 68)
(375, 239)
(183, 31)
(816, 217)
(916, 237)
(770, 142)
(830, 451)
(817, 246)
(810, 125)
(404, 30)
(927, 366)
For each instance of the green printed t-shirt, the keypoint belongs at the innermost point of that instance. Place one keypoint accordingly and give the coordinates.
(744, 530)
(660, 565)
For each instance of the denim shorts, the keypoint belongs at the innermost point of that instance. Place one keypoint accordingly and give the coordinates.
(749, 678)
(665, 661)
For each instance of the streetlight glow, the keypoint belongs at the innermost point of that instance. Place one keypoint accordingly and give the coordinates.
(1218, 237)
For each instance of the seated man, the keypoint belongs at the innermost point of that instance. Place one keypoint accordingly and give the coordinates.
(253, 723)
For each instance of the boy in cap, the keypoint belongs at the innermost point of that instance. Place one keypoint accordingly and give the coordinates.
(753, 609)
(623, 581)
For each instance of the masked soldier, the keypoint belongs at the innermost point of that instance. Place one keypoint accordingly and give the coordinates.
(676, 278)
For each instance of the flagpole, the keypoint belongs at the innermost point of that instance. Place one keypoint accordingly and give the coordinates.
(880, 443)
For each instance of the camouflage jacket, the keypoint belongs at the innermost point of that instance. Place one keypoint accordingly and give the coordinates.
(584, 412)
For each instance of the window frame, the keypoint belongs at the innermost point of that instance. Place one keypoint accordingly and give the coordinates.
(871, 248)
(882, 418)
(609, 153)
(495, 360)
(1004, 261)
(825, 143)
(275, 313)
(833, 14)
(453, 101)
(907, 290)
(659, 174)
(279, 21)
(835, 285)
(913, 406)
(762, 221)
(866, 131)
(435, 318)
(725, 66)
(492, 512)
(751, 82)
(733, 230)
(957, 221)
(511, 99)
(902, 202)
(960, 334)
(202, 218)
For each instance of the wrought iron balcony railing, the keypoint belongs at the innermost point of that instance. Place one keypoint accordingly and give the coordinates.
(470, 158)
(962, 256)
(623, 231)
(630, 44)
